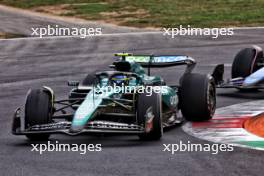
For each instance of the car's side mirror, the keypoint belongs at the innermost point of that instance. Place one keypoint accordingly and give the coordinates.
(73, 83)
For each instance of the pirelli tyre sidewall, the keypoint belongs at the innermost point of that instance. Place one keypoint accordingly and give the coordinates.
(145, 104)
(197, 97)
(38, 110)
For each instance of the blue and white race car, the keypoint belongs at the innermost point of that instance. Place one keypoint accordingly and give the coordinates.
(247, 70)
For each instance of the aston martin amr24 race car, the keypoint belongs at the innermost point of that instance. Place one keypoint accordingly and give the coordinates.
(247, 70)
(94, 107)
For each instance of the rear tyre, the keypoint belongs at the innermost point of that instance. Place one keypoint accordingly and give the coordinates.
(148, 106)
(38, 110)
(197, 97)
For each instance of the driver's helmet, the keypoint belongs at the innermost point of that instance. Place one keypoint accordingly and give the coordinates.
(120, 80)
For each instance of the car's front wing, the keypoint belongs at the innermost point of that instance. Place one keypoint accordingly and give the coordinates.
(64, 127)
(239, 83)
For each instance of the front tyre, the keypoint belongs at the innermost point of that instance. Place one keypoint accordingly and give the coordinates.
(38, 110)
(149, 107)
(197, 97)
(247, 62)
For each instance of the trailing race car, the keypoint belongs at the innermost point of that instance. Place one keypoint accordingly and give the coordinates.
(247, 71)
(99, 103)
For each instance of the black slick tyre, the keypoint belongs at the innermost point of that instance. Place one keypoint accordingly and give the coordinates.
(245, 62)
(38, 110)
(197, 97)
(150, 106)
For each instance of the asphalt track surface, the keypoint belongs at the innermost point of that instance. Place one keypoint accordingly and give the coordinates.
(31, 63)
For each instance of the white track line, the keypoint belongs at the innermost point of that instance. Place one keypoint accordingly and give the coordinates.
(78, 37)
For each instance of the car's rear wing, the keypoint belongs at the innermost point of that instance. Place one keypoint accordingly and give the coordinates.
(158, 60)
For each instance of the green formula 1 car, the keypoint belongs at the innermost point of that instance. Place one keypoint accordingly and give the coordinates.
(125, 100)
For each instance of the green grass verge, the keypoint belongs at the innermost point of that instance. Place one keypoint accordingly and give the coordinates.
(259, 144)
(160, 13)
(10, 35)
